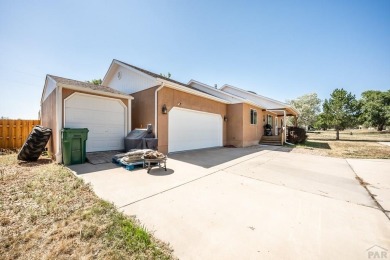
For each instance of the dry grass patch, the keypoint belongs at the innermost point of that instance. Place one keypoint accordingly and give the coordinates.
(359, 144)
(351, 135)
(46, 212)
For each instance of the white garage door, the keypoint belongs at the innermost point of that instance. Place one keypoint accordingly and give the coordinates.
(190, 129)
(105, 119)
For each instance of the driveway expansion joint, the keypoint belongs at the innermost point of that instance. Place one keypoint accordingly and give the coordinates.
(287, 187)
(364, 185)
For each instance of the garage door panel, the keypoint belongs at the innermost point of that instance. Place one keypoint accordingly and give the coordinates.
(78, 115)
(104, 118)
(190, 129)
(89, 102)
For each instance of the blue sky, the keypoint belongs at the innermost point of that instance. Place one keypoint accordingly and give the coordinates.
(280, 49)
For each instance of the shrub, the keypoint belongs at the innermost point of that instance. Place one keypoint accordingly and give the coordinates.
(296, 135)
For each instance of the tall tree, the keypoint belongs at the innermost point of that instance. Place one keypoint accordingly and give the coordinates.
(308, 107)
(341, 110)
(322, 122)
(96, 81)
(376, 108)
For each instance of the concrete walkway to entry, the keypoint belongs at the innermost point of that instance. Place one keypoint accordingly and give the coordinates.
(260, 202)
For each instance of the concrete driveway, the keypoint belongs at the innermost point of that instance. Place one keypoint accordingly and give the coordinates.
(256, 203)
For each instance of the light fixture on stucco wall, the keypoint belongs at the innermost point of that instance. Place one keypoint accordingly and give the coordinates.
(164, 109)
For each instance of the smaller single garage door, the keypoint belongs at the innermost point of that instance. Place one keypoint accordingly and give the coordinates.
(190, 129)
(104, 117)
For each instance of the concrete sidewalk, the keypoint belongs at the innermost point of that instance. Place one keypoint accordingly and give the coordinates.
(265, 204)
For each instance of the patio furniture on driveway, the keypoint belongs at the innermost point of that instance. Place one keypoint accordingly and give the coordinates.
(150, 163)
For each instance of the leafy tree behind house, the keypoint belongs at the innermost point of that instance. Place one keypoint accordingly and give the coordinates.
(376, 108)
(308, 107)
(166, 76)
(321, 122)
(341, 110)
(96, 81)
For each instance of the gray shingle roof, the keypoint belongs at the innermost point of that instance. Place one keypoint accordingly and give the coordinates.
(87, 85)
(155, 75)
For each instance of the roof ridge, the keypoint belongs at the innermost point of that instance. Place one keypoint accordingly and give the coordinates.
(255, 93)
(85, 84)
(153, 74)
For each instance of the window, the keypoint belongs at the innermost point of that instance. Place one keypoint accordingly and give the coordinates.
(253, 117)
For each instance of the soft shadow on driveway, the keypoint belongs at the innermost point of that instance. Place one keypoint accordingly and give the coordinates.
(91, 168)
(211, 157)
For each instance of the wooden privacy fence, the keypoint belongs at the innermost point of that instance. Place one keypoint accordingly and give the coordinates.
(13, 133)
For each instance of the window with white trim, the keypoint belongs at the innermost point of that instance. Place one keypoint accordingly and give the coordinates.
(253, 117)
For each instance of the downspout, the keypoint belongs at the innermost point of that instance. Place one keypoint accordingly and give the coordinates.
(155, 108)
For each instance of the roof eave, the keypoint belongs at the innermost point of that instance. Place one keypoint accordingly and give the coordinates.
(93, 91)
(108, 71)
(257, 95)
(44, 89)
(123, 64)
(191, 91)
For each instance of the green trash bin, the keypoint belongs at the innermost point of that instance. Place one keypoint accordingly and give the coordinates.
(74, 145)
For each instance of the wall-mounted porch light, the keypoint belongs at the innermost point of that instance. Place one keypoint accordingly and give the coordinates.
(225, 118)
(164, 109)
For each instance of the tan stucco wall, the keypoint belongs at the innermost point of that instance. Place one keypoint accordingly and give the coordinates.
(251, 133)
(235, 135)
(142, 108)
(171, 98)
(48, 112)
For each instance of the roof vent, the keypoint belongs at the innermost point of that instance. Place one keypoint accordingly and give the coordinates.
(215, 86)
(252, 92)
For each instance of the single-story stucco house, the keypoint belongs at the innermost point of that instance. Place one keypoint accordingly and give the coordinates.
(184, 116)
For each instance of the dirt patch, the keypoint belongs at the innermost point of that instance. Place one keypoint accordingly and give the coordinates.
(8, 151)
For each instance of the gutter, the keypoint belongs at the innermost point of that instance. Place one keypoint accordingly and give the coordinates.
(155, 108)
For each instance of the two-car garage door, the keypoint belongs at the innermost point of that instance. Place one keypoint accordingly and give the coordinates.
(105, 119)
(190, 129)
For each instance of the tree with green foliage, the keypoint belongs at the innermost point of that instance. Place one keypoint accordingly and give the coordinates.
(166, 76)
(341, 110)
(321, 122)
(96, 81)
(308, 107)
(376, 108)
